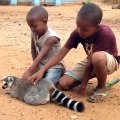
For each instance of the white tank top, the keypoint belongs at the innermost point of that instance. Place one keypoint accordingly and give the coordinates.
(39, 43)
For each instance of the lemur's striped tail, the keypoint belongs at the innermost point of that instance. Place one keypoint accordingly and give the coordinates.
(63, 100)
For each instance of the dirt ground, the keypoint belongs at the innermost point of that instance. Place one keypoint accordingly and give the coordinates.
(15, 57)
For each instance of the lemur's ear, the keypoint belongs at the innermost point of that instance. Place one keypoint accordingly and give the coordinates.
(3, 78)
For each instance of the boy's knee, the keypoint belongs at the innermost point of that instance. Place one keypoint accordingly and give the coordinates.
(98, 58)
(66, 82)
(63, 86)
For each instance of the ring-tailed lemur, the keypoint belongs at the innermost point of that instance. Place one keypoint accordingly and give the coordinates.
(40, 93)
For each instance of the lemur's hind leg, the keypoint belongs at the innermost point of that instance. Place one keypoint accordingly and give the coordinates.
(34, 97)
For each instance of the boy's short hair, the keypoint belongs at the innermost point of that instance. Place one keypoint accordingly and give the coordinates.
(38, 12)
(90, 12)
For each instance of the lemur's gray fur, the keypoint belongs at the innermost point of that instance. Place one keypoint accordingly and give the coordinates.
(40, 93)
(31, 94)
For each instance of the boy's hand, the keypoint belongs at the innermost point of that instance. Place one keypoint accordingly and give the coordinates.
(26, 75)
(36, 77)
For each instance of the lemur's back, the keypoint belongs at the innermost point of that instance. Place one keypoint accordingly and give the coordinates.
(45, 83)
(21, 87)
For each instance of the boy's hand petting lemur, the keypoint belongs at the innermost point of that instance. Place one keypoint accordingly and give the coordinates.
(26, 75)
(36, 77)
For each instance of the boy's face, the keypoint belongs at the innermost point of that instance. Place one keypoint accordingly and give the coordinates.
(85, 29)
(38, 27)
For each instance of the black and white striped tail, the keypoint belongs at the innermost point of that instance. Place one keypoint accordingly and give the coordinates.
(63, 100)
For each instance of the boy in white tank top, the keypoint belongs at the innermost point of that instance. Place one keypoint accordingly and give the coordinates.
(44, 44)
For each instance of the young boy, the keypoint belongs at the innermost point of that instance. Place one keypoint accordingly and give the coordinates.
(102, 59)
(44, 44)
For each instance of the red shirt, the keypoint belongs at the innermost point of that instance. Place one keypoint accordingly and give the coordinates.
(103, 40)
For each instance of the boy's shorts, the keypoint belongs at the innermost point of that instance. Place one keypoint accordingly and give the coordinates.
(77, 71)
(54, 74)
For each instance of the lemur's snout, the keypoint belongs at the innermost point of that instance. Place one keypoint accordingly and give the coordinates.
(4, 87)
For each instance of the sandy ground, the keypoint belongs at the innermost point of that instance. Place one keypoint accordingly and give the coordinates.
(15, 58)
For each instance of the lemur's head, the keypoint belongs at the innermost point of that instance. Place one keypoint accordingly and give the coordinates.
(8, 82)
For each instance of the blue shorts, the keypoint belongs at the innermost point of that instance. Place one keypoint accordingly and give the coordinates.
(54, 74)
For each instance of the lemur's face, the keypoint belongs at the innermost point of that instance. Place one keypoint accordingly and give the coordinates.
(8, 82)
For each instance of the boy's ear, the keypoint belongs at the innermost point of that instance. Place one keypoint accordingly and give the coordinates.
(45, 21)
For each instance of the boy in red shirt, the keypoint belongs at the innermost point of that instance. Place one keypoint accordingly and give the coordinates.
(102, 59)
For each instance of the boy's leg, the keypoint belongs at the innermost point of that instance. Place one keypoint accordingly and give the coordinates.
(103, 64)
(99, 61)
(73, 77)
(54, 74)
(67, 82)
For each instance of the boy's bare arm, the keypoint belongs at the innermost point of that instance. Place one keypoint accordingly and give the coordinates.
(86, 77)
(28, 73)
(54, 60)
(44, 51)
(33, 51)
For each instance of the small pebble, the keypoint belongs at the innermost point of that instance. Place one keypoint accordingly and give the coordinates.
(93, 106)
(12, 67)
(3, 114)
(74, 117)
(59, 14)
